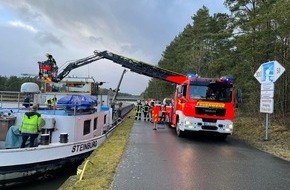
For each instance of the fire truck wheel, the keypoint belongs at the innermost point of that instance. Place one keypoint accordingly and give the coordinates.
(179, 132)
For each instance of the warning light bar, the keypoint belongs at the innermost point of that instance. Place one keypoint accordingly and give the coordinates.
(227, 79)
(192, 76)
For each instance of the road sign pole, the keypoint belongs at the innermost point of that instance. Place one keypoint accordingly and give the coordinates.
(267, 74)
(267, 126)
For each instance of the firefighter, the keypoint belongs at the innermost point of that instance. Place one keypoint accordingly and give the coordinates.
(54, 68)
(150, 111)
(146, 109)
(163, 113)
(138, 110)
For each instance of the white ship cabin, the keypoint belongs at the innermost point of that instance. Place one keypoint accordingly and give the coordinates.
(70, 85)
(75, 122)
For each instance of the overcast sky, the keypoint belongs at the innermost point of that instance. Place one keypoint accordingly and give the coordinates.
(73, 29)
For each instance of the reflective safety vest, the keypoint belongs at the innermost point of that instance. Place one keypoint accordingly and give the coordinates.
(50, 102)
(146, 108)
(31, 123)
(138, 108)
(155, 113)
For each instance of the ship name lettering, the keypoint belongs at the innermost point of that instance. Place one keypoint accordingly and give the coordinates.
(84, 146)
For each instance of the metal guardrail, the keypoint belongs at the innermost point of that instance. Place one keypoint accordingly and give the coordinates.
(125, 110)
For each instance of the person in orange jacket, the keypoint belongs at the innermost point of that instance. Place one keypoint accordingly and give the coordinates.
(155, 115)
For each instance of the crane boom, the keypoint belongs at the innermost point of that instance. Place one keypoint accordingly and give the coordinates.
(48, 73)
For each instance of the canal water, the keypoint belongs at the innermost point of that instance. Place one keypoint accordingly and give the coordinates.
(50, 184)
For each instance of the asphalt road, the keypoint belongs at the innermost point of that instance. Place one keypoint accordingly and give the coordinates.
(159, 160)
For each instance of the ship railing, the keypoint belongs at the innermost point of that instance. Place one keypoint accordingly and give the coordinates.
(9, 99)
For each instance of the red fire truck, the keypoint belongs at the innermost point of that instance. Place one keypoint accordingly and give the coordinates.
(204, 104)
(199, 104)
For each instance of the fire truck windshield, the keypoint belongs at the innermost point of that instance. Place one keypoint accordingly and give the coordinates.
(213, 91)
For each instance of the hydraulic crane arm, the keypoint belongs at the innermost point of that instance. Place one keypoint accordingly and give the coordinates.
(76, 64)
(134, 65)
(143, 68)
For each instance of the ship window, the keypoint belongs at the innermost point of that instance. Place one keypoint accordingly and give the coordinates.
(95, 123)
(87, 127)
(105, 119)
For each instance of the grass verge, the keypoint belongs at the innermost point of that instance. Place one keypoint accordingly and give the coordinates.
(252, 131)
(104, 161)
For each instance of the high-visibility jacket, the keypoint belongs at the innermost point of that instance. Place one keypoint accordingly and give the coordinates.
(31, 123)
(138, 108)
(50, 102)
(155, 113)
(146, 108)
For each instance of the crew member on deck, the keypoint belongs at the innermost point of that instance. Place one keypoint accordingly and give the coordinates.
(51, 102)
(31, 126)
(26, 101)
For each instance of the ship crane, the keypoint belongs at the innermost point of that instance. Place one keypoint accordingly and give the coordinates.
(47, 71)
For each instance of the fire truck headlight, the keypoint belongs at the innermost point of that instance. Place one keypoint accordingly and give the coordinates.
(188, 124)
(230, 126)
(227, 130)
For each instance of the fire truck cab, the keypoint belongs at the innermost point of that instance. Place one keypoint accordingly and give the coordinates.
(204, 104)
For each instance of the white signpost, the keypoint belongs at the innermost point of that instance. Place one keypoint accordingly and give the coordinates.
(267, 74)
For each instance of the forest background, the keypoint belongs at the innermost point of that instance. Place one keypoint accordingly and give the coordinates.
(235, 44)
